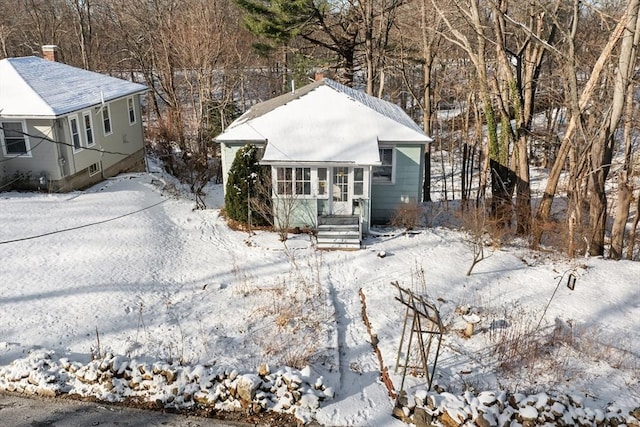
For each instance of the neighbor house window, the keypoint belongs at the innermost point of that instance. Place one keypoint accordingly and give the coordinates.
(290, 181)
(132, 110)
(106, 120)
(94, 169)
(74, 129)
(322, 181)
(384, 172)
(88, 128)
(358, 181)
(15, 142)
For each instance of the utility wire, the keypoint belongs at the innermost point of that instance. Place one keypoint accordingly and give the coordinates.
(21, 154)
(45, 138)
(82, 226)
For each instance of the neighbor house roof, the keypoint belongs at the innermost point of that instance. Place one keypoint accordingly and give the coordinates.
(324, 121)
(33, 87)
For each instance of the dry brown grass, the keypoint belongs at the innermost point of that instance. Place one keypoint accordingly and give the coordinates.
(407, 215)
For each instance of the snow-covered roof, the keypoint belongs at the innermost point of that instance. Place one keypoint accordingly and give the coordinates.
(33, 87)
(324, 121)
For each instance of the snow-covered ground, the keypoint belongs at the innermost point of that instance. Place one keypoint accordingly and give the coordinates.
(129, 268)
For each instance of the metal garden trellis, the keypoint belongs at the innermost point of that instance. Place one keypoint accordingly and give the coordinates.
(422, 319)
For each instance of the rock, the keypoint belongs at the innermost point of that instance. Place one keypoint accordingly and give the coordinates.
(233, 374)
(421, 418)
(247, 385)
(399, 414)
(45, 392)
(481, 421)
(201, 397)
(487, 398)
(528, 413)
(169, 375)
(557, 409)
(328, 392)
(635, 413)
(263, 370)
(310, 401)
(420, 398)
(448, 421)
(257, 408)
(32, 379)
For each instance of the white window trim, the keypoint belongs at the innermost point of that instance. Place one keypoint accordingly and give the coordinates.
(27, 144)
(365, 189)
(274, 176)
(315, 183)
(393, 167)
(108, 110)
(84, 129)
(80, 132)
(97, 171)
(135, 116)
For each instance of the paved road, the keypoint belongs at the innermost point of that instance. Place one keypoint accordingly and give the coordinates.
(18, 411)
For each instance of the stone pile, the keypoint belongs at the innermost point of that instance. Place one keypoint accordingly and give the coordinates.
(489, 408)
(168, 385)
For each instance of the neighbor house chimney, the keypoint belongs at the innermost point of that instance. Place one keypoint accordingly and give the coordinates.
(50, 52)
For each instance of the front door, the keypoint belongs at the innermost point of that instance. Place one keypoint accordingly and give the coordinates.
(341, 199)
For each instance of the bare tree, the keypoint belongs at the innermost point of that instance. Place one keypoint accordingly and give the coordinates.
(579, 101)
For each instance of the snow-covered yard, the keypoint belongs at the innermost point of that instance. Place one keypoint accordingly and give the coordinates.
(140, 277)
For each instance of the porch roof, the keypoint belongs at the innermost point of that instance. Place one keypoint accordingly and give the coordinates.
(324, 122)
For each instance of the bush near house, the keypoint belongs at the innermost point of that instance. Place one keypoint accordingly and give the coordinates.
(246, 178)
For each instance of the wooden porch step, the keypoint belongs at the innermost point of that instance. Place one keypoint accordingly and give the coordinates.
(339, 235)
(338, 243)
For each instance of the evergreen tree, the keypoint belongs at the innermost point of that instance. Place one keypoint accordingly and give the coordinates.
(247, 181)
(276, 21)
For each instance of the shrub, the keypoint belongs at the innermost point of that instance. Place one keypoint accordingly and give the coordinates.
(246, 176)
(407, 215)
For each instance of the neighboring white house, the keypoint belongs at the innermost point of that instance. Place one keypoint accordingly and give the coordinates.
(339, 155)
(65, 128)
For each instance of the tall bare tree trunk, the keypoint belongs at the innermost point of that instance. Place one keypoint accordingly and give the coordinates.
(544, 210)
(603, 146)
(625, 190)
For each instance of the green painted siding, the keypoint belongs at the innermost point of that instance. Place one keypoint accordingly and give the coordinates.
(297, 212)
(228, 152)
(407, 187)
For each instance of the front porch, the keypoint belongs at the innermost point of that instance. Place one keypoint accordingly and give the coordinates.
(339, 232)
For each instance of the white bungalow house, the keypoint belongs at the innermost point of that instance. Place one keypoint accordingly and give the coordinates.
(63, 128)
(340, 159)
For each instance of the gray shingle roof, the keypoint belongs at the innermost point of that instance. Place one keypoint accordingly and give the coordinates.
(34, 87)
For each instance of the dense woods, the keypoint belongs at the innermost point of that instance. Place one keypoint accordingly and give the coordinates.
(502, 86)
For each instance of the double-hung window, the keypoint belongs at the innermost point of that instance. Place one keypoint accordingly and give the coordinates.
(132, 110)
(106, 120)
(74, 129)
(293, 181)
(358, 181)
(322, 182)
(384, 172)
(88, 128)
(15, 141)
(303, 181)
(284, 181)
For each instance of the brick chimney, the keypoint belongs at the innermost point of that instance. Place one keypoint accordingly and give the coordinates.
(50, 52)
(318, 76)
